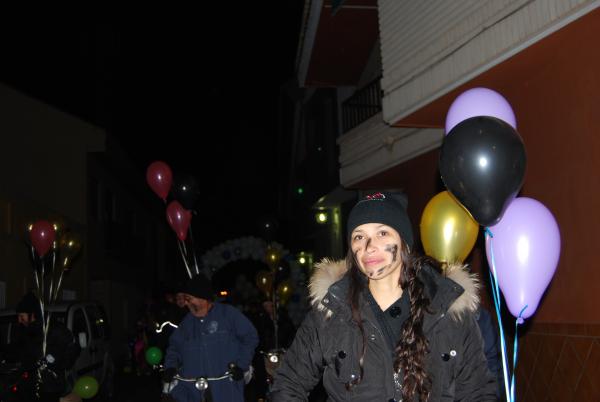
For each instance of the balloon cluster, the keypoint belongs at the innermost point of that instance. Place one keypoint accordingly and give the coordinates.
(185, 193)
(482, 164)
(275, 281)
(49, 242)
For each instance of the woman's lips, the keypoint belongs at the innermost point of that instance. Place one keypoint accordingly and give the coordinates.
(372, 261)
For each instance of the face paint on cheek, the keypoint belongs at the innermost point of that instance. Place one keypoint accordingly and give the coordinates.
(393, 250)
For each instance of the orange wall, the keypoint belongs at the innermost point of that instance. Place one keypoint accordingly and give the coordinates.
(554, 89)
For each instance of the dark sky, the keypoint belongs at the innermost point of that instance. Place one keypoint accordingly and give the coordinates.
(181, 88)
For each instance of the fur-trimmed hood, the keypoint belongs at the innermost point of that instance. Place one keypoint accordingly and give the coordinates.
(328, 272)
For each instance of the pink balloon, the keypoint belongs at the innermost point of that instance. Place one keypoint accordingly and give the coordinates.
(42, 235)
(159, 177)
(179, 219)
(526, 249)
(479, 102)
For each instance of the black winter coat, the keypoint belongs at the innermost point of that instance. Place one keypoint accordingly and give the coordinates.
(329, 344)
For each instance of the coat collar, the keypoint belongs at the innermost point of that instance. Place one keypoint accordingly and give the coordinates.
(456, 291)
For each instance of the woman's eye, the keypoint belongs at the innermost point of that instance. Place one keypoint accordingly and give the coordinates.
(358, 237)
(383, 233)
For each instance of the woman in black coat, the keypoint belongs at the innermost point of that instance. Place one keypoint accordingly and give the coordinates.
(386, 325)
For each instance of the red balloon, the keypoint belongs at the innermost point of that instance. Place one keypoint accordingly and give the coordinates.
(159, 178)
(42, 235)
(179, 219)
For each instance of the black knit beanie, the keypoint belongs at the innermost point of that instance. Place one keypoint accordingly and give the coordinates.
(386, 208)
(199, 286)
(29, 304)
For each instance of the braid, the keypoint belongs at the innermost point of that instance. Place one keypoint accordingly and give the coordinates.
(413, 345)
(356, 287)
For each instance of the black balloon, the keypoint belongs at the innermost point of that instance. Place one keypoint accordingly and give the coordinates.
(186, 191)
(482, 163)
(267, 227)
(282, 271)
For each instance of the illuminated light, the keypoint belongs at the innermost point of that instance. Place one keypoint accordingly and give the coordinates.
(274, 358)
(300, 190)
(321, 217)
(302, 260)
(483, 162)
(223, 293)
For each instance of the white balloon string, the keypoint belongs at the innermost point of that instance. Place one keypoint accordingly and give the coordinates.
(194, 250)
(183, 256)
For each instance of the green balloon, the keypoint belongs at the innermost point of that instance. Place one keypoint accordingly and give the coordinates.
(153, 355)
(86, 387)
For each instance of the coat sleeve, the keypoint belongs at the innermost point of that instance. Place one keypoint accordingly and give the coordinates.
(248, 338)
(302, 364)
(474, 381)
(173, 354)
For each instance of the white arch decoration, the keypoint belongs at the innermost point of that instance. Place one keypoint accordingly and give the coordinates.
(256, 249)
(243, 248)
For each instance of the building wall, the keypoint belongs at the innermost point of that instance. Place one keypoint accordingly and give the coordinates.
(42, 176)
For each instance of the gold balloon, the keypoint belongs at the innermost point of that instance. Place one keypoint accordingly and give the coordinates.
(284, 292)
(272, 256)
(69, 247)
(60, 227)
(448, 231)
(264, 282)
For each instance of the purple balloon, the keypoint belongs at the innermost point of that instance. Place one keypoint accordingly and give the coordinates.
(526, 246)
(479, 102)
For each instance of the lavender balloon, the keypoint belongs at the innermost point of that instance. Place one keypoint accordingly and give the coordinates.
(526, 249)
(479, 102)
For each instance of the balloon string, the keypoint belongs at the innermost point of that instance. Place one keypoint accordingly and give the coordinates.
(518, 321)
(183, 256)
(497, 304)
(194, 250)
(50, 293)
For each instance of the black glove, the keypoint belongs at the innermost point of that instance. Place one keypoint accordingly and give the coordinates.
(167, 398)
(168, 374)
(236, 373)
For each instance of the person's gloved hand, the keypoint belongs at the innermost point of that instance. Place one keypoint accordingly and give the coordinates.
(168, 374)
(236, 373)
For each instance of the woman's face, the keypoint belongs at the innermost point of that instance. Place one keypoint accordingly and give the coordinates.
(376, 248)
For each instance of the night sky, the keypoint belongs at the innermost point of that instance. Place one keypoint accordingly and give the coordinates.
(182, 88)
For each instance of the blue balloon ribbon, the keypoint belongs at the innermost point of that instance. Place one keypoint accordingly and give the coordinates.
(518, 321)
(497, 301)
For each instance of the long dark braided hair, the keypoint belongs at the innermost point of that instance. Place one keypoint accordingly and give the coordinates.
(413, 346)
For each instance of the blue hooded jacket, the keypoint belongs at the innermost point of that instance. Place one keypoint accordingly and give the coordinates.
(205, 347)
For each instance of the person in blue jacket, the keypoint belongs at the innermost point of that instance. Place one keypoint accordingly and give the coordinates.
(210, 338)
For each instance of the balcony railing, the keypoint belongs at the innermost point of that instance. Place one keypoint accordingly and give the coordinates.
(365, 103)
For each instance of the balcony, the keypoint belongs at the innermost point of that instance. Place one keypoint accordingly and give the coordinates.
(365, 103)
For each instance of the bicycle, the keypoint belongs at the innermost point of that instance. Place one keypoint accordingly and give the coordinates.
(202, 383)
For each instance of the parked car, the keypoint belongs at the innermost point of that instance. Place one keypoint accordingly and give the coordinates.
(89, 325)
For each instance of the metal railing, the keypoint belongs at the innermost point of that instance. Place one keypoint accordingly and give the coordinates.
(365, 103)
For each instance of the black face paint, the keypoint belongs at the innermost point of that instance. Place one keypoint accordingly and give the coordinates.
(392, 249)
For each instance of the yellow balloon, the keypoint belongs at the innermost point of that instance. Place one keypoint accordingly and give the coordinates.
(284, 292)
(448, 231)
(272, 256)
(69, 247)
(264, 282)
